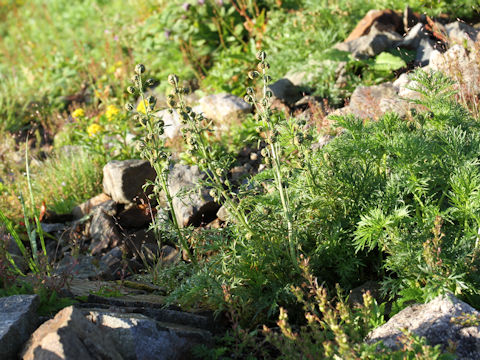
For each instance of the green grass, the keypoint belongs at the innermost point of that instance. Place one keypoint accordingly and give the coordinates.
(67, 179)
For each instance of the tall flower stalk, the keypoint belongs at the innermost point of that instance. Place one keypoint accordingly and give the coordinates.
(195, 133)
(153, 149)
(273, 150)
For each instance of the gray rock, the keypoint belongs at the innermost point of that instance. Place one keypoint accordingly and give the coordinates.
(461, 66)
(18, 319)
(191, 206)
(172, 123)
(84, 267)
(53, 228)
(123, 180)
(414, 37)
(365, 100)
(297, 77)
(285, 91)
(85, 208)
(68, 336)
(140, 337)
(424, 52)
(113, 259)
(103, 229)
(436, 322)
(459, 33)
(371, 44)
(224, 107)
(372, 102)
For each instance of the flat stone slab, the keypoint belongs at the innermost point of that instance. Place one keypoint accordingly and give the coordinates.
(18, 319)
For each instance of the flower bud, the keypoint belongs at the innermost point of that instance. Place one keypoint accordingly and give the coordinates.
(151, 100)
(250, 91)
(263, 66)
(150, 82)
(248, 99)
(268, 94)
(267, 78)
(171, 103)
(128, 107)
(253, 74)
(140, 69)
(135, 79)
(131, 90)
(261, 55)
(173, 79)
(219, 171)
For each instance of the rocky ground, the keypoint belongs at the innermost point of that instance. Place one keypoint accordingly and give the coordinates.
(106, 241)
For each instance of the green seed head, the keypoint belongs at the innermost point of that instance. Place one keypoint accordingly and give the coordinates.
(173, 79)
(140, 69)
(135, 79)
(261, 55)
(128, 107)
(250, 91)
(151, 100)
(150, 82)
(131, 90)
(253, 74)
(263, 66)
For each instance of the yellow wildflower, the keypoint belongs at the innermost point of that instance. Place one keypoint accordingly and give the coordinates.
(142, 107)
(111, 112)
(78, 113)
(94, 129)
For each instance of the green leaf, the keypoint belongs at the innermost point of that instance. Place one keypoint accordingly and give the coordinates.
(388, 62)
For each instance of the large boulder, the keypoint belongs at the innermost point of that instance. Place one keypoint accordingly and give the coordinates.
(123, 180)
(192, 205)
(18, 319)
(442, 321)
(68, 336)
